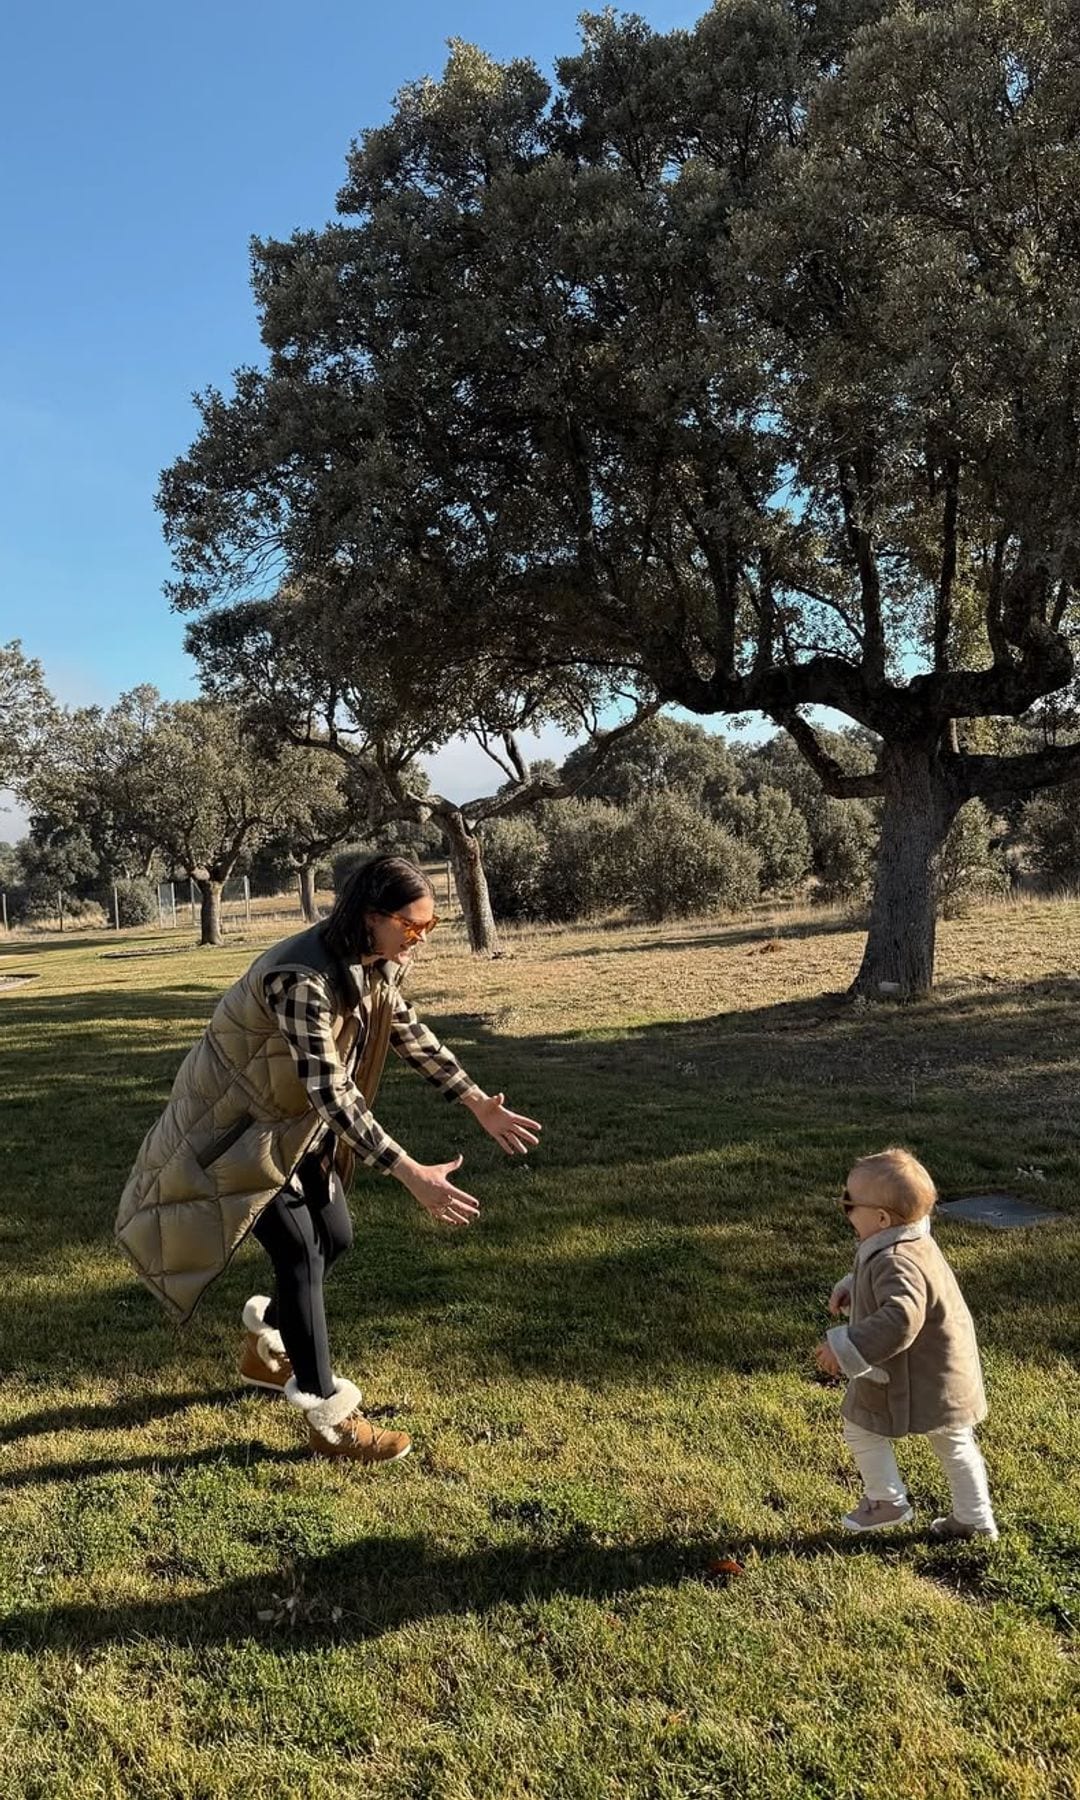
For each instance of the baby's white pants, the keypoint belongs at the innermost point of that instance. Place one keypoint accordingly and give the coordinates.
(961, 1464)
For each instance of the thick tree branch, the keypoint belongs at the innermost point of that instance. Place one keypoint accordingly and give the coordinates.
(819, 681)
(835, 781)
(947, 577)
(999, 692)
(1003, 777)
(855, 482)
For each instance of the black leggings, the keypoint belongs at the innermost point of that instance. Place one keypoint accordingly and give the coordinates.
(303, 1235)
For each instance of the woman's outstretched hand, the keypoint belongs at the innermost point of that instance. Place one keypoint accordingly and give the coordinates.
(430, 1184)
(512, 1130)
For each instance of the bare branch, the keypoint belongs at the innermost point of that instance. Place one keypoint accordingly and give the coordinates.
(1061, 605)
(827, 600)
(513, 751)
(504, 768)
(501, 806)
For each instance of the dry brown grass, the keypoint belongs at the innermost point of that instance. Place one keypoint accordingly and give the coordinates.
(588, 976)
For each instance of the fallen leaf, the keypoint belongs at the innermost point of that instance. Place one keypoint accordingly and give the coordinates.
(724, 1567)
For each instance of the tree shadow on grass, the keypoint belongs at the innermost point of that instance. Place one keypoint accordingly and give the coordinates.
(164, 1462)
(113, 949)
(87, 1074)
(127, 1414)
(669, 1219)
(376, 1585)
(722, 937)
(41, 945)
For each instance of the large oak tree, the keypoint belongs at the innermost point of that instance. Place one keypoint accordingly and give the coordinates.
(741, 365)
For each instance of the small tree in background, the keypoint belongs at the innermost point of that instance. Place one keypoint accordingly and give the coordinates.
(55, 869)
(583, 872)
(772, 824)
(677, 863)
(514, 852)
(320, 813)
(1051, 827)
(136, 903)
(972, 865)
(27, 712)
(663, 756)
(844, 846)
(197, 788)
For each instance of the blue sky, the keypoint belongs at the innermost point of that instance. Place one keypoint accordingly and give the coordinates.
(140, 149)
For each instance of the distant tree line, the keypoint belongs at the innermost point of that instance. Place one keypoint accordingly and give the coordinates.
(673, 820)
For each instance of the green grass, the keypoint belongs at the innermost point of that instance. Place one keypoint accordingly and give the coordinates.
(608, 1382)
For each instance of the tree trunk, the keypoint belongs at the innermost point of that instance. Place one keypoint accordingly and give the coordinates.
(463, 849)
(920, 805)
(210, 910)
(307, 893)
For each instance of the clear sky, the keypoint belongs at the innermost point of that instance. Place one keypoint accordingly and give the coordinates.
(141, 147)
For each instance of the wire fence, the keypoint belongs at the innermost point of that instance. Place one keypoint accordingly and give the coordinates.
(179, 908)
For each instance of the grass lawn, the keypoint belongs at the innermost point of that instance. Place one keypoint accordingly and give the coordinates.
(608, 1381)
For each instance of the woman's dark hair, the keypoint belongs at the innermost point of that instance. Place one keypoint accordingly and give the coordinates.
(383, 884)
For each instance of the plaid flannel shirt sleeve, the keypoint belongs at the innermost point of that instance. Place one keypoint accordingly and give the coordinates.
(421, 1049)
(301, 1005)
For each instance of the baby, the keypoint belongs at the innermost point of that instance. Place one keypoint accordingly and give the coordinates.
(909, 1351)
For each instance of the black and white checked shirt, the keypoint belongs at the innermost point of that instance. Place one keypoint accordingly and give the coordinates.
(305, 1014)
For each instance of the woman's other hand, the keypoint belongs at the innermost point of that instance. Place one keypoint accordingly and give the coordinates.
(430, 1184)
(513, 1131)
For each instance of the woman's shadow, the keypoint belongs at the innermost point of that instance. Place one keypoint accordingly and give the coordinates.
(377, 1584)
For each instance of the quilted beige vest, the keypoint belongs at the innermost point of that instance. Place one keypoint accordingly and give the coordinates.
(238, 1122)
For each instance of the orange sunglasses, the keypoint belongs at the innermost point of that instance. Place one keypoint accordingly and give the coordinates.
(411, 927)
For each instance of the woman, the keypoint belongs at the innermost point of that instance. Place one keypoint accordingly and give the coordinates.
(267, 1115)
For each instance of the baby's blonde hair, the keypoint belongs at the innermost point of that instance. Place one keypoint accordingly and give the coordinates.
(906, 1190)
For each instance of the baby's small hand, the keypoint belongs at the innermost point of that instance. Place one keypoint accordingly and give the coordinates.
(825, 1357)
(840, 1298)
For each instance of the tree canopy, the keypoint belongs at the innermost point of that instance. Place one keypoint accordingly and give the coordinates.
(26, 711)
(737, 367)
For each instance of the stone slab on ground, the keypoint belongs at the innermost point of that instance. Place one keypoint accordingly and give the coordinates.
(1002, 1212)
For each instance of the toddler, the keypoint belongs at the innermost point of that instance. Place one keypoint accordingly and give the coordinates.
(908, 1350)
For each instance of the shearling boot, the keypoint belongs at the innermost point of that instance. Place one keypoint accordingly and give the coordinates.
(263, 1362)
(337, 1427)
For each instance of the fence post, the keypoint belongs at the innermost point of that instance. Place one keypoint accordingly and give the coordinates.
(116, 906)
(60, 908)
(449, 892)
(191, 895)
(7, 927)
(160, 914)
(247, 900)
(172, 902)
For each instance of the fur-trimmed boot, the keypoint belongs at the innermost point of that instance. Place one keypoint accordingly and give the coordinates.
(337, 1427)
(263, 1362)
